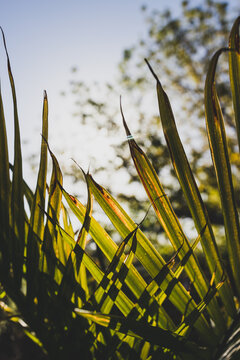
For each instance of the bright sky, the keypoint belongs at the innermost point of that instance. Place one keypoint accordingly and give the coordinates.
(46, 38)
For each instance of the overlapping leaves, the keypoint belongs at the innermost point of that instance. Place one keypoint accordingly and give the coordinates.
(138, 307)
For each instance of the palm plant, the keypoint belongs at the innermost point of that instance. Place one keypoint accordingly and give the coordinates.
(71, 307)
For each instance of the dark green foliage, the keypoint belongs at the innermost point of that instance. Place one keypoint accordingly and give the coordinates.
(68, 305)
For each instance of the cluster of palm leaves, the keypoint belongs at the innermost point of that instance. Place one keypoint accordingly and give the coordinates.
(70, 306)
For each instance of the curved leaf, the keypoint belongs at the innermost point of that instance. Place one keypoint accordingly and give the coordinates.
(192, 194)
(36, 226)
(219, 152)
(234, 71)
(4, 194)
(17, 236)
(143, 330)
(145, 252)
(171, 224)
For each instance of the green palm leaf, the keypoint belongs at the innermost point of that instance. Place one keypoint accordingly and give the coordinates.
(150, 333)
(146, 253)
(46, 269)
(36, 225)
(219, 152)
(234, 71)
(4, 194)
(50, 254)
(192, 195)
(17, 237)
(171, 224)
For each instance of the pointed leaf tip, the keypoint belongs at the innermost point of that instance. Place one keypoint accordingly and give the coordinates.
(5, 47)
(2, 31)
(234, 36)
(80, 168)
(213, 64)
(151, 69)
(123, 119)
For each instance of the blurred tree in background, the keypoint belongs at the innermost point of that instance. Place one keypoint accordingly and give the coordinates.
(179, 49)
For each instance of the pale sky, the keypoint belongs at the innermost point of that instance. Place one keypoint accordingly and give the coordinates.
(46, 38)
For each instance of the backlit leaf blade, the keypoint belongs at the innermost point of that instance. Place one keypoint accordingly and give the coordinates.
(142, 329)
(75, 269)
(156, 283)
(122, 301)
(67, 225)
(234, 71)
(104, 241)
(192, 194)
(145, 252)
(150, 300)
(17, 206)
(190, 319)
(28, 193)
(133, 280)
(115, 274)
(4, 193)
(219, 152)
(64, 248)
(182, 263)
(36, 226)
(108, 247)
(82, 239)
(50, 243)
(171, 224)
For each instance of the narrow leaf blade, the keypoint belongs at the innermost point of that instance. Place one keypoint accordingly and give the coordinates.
(220, 157)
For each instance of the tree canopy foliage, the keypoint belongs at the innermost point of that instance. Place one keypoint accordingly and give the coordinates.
(179, 47)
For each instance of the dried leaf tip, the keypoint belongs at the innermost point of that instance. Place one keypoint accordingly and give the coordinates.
(129, 135)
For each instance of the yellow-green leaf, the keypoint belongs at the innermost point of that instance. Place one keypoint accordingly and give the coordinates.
(219, 152)
(234, 71)
(171, 225)
(192, 194)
